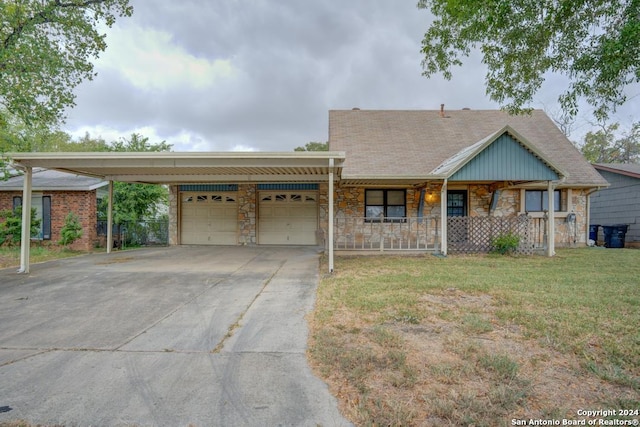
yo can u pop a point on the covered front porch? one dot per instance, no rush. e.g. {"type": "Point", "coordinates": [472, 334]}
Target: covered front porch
{"type": "Point", "coordinates": [460, 206]}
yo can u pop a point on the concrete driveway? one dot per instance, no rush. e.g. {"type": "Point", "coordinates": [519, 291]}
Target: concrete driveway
{"type": "Point", "coordinates": [202, 336]}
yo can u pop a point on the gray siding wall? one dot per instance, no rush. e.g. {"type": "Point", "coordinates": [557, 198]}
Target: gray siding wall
{"type": "Point", "coordinates": [618, 204]}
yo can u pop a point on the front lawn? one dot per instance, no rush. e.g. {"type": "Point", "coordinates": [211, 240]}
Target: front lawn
{"type": "Point", "coordinates": [480, 340]}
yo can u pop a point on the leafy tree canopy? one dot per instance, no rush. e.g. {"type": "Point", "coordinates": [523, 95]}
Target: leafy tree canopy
{"type": "Point", "coordinates": [314, 146]}
{"type": "Point", "coordinates": [606, 145]}
{"type": "Point", "coordinates": [593, 42]}
{"type": "Point", "coordinates": [136, 202]}
{"type": "Point", "coordinates": [46, 48]}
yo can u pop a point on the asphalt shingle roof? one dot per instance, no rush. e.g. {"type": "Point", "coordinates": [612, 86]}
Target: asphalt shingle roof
{"type": "Point", "coordinates": [411, 143]}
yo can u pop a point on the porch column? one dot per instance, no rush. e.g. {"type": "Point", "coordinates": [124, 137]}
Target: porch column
{"type": "Point", "coordinates": [551, 223]}
{"type": "Point", "coordinates": [110, 219]}
{"type": "Point", "coordinates": [330, 231]}
{"type": "Point", "coordinates": [443, 218]}
{"type": "Point", "coordinates": [25, 241]}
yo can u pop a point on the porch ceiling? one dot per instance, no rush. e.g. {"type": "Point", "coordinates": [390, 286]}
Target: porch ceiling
{"type": "Point", "coordinates": [174, 168]}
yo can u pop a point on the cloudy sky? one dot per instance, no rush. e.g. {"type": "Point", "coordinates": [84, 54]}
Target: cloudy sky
{"type": "Point", "coordinates": [218, 75]}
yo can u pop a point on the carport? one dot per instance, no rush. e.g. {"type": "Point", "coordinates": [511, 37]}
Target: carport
{"type": "Point", "coordinates": [183, 168]}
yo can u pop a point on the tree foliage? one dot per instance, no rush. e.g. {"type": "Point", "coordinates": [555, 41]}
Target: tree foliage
{"type": "Point", "coordinates": [607, 146]}
{"type": "Point", "coordinates": [136, 202]}
{"type": "Point", "coordinates": [314, 146]}
{"type": "Point", "coordinates": [46, 49]}
{"type": "Point", "coordinates": [593, 42]}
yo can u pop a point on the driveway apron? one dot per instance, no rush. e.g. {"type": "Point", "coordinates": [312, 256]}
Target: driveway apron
{"type": "Point", "coordinates": [187, 335]}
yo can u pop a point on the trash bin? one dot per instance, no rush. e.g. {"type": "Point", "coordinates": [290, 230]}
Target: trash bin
{"type": "Point", "coordinates": [593, 232]}
{"type": "Point", "coordinates": [614, 235]}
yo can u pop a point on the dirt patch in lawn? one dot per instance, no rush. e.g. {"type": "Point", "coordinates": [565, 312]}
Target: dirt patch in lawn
{"type": "Point", "coordinates": [458, 365]}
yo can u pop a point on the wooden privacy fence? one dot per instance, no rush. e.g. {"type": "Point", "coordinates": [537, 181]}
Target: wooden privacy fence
{"type": "Point", "coordinates": [474, 234]}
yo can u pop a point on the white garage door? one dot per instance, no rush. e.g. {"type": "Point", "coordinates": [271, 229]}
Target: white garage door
{"type": "Point", "coordinates": [288, 218]}
{"type": "Point", "coordinates": [209, 218]}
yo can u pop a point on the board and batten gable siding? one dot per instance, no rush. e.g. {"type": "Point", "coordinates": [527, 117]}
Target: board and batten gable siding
{"type": "Point", "coordinates": [618, 204]}
{"type": "Point", "coordinates": [504, 160]}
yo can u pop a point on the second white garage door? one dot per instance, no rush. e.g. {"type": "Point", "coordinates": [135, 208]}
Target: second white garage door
{"type": "Point", "coordinates": [209, 218]}
{"type": "Point", "coordinates": [287, 218]}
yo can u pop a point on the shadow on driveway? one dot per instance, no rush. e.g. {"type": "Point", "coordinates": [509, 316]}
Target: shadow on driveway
{"type": "Point", "coordinates": [166, 336]}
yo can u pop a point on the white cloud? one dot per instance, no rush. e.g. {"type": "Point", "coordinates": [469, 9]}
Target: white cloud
{"type": "Point", "coordinates": [150, 59]}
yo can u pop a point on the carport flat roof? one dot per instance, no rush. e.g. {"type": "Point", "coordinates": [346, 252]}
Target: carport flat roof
{"type": "Point", "coordinates": [191, 167]}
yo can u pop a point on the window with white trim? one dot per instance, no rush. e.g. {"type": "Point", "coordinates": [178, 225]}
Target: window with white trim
{"type": "Point", "coordinates": [538, 201]}
{"type": "Point", "coordinates": [390, 204]}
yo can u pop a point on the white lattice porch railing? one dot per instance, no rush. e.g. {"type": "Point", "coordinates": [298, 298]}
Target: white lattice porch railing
{"type": "Point", "coordinates": [474, 234]}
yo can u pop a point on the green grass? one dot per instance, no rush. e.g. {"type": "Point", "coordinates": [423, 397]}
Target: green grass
{"type": "Point", "coordinates": [10, 256]}
{"type": "Point", "coordinates": [576, 301]}
{"type": "Point", "coordinates": [582, 303]}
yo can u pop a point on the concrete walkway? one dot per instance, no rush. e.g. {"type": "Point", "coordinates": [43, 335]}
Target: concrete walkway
{"type": "Point", "coordinates": [202, 336]}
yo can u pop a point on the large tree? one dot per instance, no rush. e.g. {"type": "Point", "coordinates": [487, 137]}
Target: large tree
{"type": "Point", "coordinates": [595, 43]}
{"type": "Point", "coordinates": [606, 145]}
{"type": "Point", "coordinates": [46, 49]}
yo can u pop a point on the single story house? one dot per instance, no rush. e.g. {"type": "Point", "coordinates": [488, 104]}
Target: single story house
{"type": "Point", "coordinates": [620, 202]}
{"type": "Point", "coordinates": [442, 181]}
{"type": "Point", "coordinates": [54, 195]}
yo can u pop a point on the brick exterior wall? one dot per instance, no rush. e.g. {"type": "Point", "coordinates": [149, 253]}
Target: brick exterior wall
{"type": "Point", "coordinates": [82, 203]}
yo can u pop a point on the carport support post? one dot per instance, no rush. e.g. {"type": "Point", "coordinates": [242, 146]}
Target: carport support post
{"type": "Point", "coordinates": [551, 226]}
{"type": "Point", "coordinates": [330, 231]}
{"type": "Point", "coordinates": [110, 219]}
{"type": "Point", "coordinates": [26, 220]}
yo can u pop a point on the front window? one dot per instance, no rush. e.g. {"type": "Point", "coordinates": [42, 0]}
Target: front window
{"type": "Point", "coordinates": [390, 204]}
{"type": "Point", "coordinates": [42, 206]}
{"type": "Point", "coordinates": [537, 201]}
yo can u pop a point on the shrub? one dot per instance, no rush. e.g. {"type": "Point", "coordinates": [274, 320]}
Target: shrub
{"type": "Point", "coordinates": [505, 243]}
{"type": "Point", "coordinates": [71, 230]}
{"type": "Point", "coordinates": [11, 228]}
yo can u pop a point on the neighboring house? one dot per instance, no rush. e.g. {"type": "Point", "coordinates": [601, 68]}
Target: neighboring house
{"type": "Point", "coordinates": [619, 203]}
{"type": "Point", "coordinates": [54, 195]}
{"type": "Point", "coordinates": [395, 176]}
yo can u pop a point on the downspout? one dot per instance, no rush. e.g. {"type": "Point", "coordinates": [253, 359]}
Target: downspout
{"type": "Point", "coordinates": [443, 218]}
{"type": "Point", "coordinates": [330, 226]}
{"type": "Point", "coordinates": [588, 216]}
{"type": "Point", "coordinates": [110, 218]}
{"type": "Point", "coordinates": [25, 241]}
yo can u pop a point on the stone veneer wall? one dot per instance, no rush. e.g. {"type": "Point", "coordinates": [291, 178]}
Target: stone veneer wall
{"type": "Point", "coordinates": [174, 216]}
{"type": "Point", "coordinates": [349, 202]}
{"type": "Point", "coordinates": [247, 205]}
{"type": "Point", "coordinates": [566, 234]}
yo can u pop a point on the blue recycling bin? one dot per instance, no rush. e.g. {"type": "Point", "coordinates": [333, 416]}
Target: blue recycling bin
{"type": "Point", "coordinates": [593, 232]}
{"type": "Point", "coordinates": [614, 235]}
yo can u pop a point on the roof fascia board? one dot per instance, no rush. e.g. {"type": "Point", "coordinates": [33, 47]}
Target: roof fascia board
{"type": "Point", "coordinates": [246, 155]}
{"type": "Point", "coordinates": [171, 179]}
{"type": "Point", "coordinates": [616, 170]}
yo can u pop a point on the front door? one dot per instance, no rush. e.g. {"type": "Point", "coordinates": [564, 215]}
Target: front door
{"type": "Point", "coordinates": [457, 203]}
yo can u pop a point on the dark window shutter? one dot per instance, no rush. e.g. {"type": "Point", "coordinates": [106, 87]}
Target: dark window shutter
{"type": "Point", "coordinates": [46, 217]}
